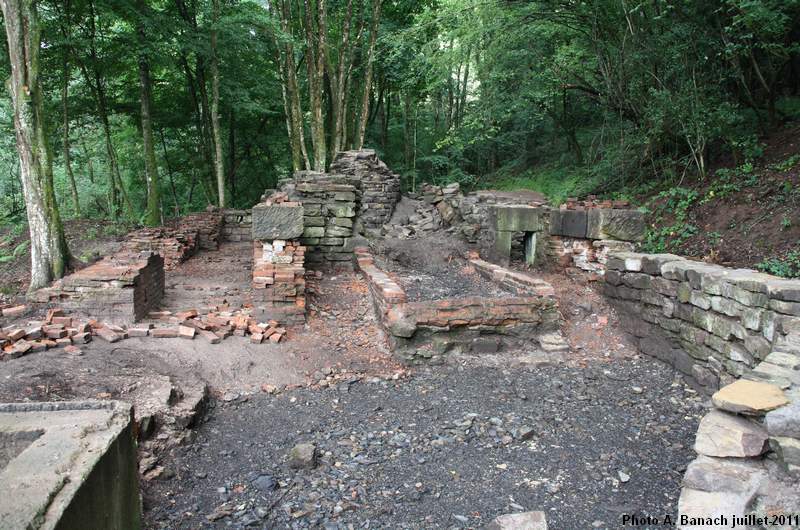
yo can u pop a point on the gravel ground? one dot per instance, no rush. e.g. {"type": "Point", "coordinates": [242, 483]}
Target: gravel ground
{"type": "Point", "coordinates": [451, 447]}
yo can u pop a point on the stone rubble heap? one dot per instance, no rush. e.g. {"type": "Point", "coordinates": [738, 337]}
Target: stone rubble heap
{"type": "Point", "coordinates": [436, 208]}
{"type": "Point", "coordinates": [379, 186]}
{"type": "Point", "coordinates": [122, 288]}
{"type": "Point", "coordinates": [712, 323]}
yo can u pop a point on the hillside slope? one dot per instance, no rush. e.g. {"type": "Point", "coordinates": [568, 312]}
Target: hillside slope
{"type": "Point", "coordinates": [745, 216]}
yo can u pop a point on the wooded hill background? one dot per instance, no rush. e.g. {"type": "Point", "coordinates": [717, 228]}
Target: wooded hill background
{"type": "Point", "coordinates": [217, 99]}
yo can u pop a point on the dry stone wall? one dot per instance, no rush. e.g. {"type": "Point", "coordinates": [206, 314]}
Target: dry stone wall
{"type": "Point", "coordinates": [710, 322]}
{"type": "Point", "coordinates": [237, 225]}
{"type": "Point", "coordinates": [330, 204]}
{"type": "Point", "coordinates": [379, 187]}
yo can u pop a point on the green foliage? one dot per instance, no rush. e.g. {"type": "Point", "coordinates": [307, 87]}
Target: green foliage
{"type": "Point", "coordinates": [664, 236]}
{"type": "Point", "coordinates": [557, 183]}
{"type": "Point", "coordinates": [787, 266]}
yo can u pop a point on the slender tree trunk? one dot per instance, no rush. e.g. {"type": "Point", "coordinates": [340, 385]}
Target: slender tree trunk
{"type": "Point", "coordinates": [340, 77]}
{"type": "Point", "coordinates": [76, 203]}
{"type": "Point", "coordinates": [316, 68]}
{"type": "Point", "coordinates": [291, 92]}
{"type": "Point", "coordinates": [362, 128]}
{"type": "Point", "coordinates": [219, 163]}
{"type": "Point", "coordinates": [232, 153]}
{"type": "Point", "coordinates": [153, 216]}
{"type": "Point", "coordinates": [49, 253]}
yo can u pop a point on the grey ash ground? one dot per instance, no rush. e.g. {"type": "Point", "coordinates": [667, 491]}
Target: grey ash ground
{"type": "Point", "coordinates": [451, 447]}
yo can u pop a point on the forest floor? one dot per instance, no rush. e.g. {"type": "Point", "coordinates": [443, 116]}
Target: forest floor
{"type": "Point", "coordinates": [88, 240]}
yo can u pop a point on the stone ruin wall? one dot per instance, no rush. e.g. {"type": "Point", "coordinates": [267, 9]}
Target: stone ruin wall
{"type": "Point", "coordinates": [736, 333]}
{"type": "Point", "coordinates": [330, 204]}
{"type": "Point", "coordinates": [712, 323]}
{"type": "Point", "coordinates": [378, 186]}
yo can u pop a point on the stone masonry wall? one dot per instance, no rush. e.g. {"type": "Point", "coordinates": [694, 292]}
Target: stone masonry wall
{"type": "Point", "coordinates": [237, 225]}
{"type": "Point", "coordinates": [710, 322]}
{"type": "Point", "coordinates": [379, 186]}
{"type": "Point", "coordinates": [739, 330]}
{"type": "Point", "coordinates": [330, 204]}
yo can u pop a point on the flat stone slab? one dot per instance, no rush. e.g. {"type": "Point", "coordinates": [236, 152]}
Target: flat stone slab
{"type": "Point", "coordinates": [749, 397]}
{"type": "Point", "coordinates": [68, 465]}
{"type": "Point", "coordinates": [727, 435]}
{"type": "Point", "coordinates": [277, 222]}
{"type": "Point", "coordinates": [519, 521]}
{"type": "Point", "coordinates": [518, 218]}
{"type": "Point", "coordinates": [622, 225]}
{"type": "Point", "coordinates": [569, 223]}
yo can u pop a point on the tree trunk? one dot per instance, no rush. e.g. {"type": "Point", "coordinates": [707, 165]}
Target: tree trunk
{"type": "Point", "coordinates": [316, 67]}
{"type": "Point", "coordinates": [153, 212]}
{"type": "Point", "coordinates": [76, 203]}
{"type": "Point", "coordinates": [362, 128]}
{"type": "Point", "coordinates": [219, 163]}
{"type": "Point", "coordinates": [291, 92]}
{"type": "Point", "coordinates": [49, 253]}
{"type": "Point", "coordinates": [340, 81]}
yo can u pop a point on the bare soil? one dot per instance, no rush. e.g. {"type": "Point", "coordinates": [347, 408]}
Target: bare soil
{"type": "Point", "coordinates": [755, 219]}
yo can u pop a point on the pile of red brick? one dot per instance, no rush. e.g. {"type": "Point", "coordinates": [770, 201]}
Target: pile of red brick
{"type": "Point", "coordinates": [58, 330]}
{"type": "Point", "coordinates": [214, 326]}
{"type": "Point", "coordinates": [592, 202]}
{"type": "Point", "coordinates": [55, 331]}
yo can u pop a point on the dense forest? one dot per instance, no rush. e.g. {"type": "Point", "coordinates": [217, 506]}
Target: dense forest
{"type": "Point", "coordinates": [140, 110]}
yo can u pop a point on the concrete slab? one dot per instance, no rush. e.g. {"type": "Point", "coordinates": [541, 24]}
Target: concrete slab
{"type": "Point", "coordinates": [68, 465]}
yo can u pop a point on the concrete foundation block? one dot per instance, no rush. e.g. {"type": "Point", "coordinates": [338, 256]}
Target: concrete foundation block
{"type": "Point", "coordinates": [68, 465]}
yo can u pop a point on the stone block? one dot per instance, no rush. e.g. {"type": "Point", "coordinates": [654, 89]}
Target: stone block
{"type": "Point", "coordinates": [277, 222]}
{"type": "Point", "coordinates": [518, 218]}
{"type": "Point", "coordinates": [519, 521]}
{"type": "Point", "coordinates": [623, 225]}
{"type": "Point", "coordinates": [784, 421]}
{"type": "Point", "coordinates": [726, 435]}
{"type": "Point", "coordinates": [569, 223]}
